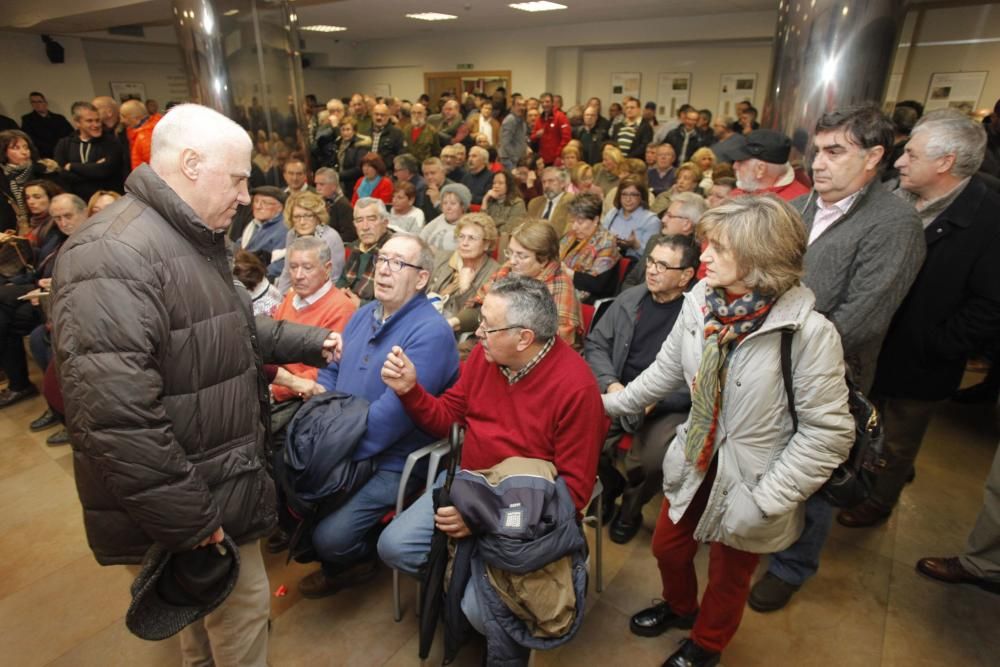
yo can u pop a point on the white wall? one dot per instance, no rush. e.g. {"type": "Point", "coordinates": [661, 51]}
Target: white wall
{"type": "Point", "coordinates": [27, 69]}
{"type": "Point", "coordinates": [157, 66]}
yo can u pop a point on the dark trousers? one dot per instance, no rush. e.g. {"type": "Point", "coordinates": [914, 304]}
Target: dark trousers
{"type": "Point", "coordinates": [17, 319]}
{"type": "Point", "coordinates": [906, 422]}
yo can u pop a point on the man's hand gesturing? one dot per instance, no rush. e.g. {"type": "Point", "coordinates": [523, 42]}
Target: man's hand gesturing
{"type": "Point", "coordinates": [398, 372]}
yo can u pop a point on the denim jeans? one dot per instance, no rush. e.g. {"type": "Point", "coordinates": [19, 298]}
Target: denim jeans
{"type": "Point", "coordinates": [800, 561]}
{"type": "Point", "coordinates": [41, 348]}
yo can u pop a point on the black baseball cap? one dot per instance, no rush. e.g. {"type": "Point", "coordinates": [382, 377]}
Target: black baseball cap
{"type": "Point", "coordinates": [767, 145]}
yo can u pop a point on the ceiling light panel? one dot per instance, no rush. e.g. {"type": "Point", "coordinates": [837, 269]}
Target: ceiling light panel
{"type": "Point", "coordinates": [540, 6]}
{"type": "Point", "coordinates": [324, 28]}
{"type": "Point", "coordinates": [431, 16]}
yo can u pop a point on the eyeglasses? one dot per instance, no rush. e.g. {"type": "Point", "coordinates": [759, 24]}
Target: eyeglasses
{"type": "Point", "coordinates": [656, 266]}
{"type": "Point", "coordinates": [519, 256]}
{"type": "Point", "coordinates": [302, 217]}
{"type": "Point", "coordinates": [487, 332]}
{"type": "Point", "coordinates": [395, 264]}
{"type": "Point", "coordinates": [265, 202]}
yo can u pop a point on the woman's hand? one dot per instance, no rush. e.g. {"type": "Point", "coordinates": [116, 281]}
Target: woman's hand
{"type": "Point", "coordinates": [45, 283]}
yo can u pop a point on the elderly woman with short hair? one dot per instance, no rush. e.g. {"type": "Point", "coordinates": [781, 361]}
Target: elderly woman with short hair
{"type": "Point", "coordinates": [589, 252]}
{"type": "Point", "coordinates": [306, 215]}
{"type": "Point", "coordinates": [607, 173]}
{"type": "Point", "coordinates": [458, 275]}
{"type": "Point", "coordinates": [439, 233]}
{"type": "Point", "coordinates": [740, 469]}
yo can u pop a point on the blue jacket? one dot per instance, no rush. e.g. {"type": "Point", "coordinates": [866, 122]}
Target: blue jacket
{"type": "Point", "coordinates": [270, 236]}
{"type": "Point", "coordinates": [428, 341]}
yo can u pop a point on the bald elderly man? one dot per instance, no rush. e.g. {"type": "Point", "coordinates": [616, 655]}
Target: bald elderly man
{"type": "Point", "coordinates": [160, 361]}
{"type": "Point", "coordinates": [139, 130]}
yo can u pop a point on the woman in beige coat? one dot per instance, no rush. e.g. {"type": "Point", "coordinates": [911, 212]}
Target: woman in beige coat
{"type": "Point", "coordinates": [737, 475]}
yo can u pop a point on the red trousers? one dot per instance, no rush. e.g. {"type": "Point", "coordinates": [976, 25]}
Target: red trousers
{"type": "Point", "coordinates": [729, 573]}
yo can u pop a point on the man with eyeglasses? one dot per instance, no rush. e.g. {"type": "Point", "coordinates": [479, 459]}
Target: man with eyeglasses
{"type": "Point", "coordinates": [400, 316]}
{"type": "Point", "coordinates": [266, 232]}
{"type": "Point", "coordinates": [371, 221]}
{"type": "Point", "coordinates": [623, 342]}
{"type": "Point", "coordinates": [680, 219]}
{"type": "Point", "coordinates": [523, 392]}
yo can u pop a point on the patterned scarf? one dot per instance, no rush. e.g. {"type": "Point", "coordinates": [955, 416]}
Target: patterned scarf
{"type": "Point", "coordinates": [18, 175]}
{"type": "Point", "coordinates": [725, 325]}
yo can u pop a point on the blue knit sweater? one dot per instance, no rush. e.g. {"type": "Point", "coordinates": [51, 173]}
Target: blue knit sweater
{"type": "Point", "coordinates": [428, 341]}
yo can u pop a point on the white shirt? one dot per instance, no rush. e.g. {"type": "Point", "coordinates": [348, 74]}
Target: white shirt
{"type": "Point", "coordinates": [486, 128]}
{"type": "Point", "coordinates": [299, 303]}
{"type": "Point", "coordinates": [248, 233]}
{"type": "Point", "coordinates": [827, 214]}
{"type": "Point", "coordinates": [554, 202]}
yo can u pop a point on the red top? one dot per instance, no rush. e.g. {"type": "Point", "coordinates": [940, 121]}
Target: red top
{"type": "Point", "coordinates": [332, 312]}
{"type": "Point", "coordinates": [557, 135]}
{"type": "Point", "coordinates": [553, 413]}
{"type": "Point", "coordinates": [382, 191]}
{"type": "Point", "coordinates": [786, 192]}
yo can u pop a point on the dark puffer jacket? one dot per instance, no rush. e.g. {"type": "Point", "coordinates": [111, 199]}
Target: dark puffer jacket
{"type": "Point", "coordinates": [160, 363]}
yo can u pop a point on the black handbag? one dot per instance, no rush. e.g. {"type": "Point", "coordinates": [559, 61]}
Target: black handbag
{"type": "Point", "coordinates": [853, 481]}
{"type": "Point", "coordinates": [16, 256]}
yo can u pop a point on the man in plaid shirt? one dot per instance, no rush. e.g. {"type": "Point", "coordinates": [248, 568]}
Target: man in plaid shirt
{"type": "Point", "coordinates": [371, 220]}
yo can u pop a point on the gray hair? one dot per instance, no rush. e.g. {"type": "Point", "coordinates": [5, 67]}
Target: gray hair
{"type": "Point", "coordinates": [950, 132]}
{"type": "Point", "coordinates": [426, 259]}
{"type": "Point", "coordinates": [308, 244]}
{"type": "Point", "coordinates": [406, 161]}
{"type": "Point", "coordinates": [328, 171]}
{"type": "Point", "coordinates": [79, 107]}
{"type": "Point", "coordinates": [558, 171]}
{"type": "Point", "coordinates": [192, 126]}
{"type": "Point", "coordinates": [693, 206]}
{"type": "Point", "coordinates": [479, 150]}
{"type": "Point", "coordinates": [368, 202]}
{"type": "Point", "coordinates": [529, 305]}
{"type": "Point", "coordinates": [79, 205]}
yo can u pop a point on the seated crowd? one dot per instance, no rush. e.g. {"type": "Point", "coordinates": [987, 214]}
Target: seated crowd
{"type": "Point", "coordinates": [605, 297]}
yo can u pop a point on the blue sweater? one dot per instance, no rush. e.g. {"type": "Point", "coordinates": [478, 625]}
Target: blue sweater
{"type": "Point", "coordinates": [270, 236]}
{"type": "Point", "coordinates": [428, 341]}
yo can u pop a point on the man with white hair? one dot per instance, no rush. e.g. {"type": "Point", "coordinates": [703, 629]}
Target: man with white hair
{"type": "Point", "coordinates": [421, 139]}
{"type": "Point", "coordinates": [451, 124]}
{"type": "Point", "coordinates": [953, 308]}
{"type": "Point", "coordinates": [761, 166]}
{"type": "Point", "coordinates": [160, 361]}
{"type": "Point", "coordinates": [478, 177]}
{"type": "Point", "coordinates": [553, 204]}
{"type": "Point", "coordinates": [324, 149]}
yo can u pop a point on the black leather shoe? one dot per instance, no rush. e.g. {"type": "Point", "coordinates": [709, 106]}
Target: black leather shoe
{"type": "Point", "coordinates": [655, 620]}
{"type": "Point", "coordinates": [278, 542]}
{"type": "Point", "coordinates": [61, 437]}
{"type": "Point", "coordinates": [320, 585]}
{"type": "Point", "coordinates": [692, 655]}
{"type": "Point", "coordinates": [771, 593]}
{"type": "Point", "coordinates": [47, 420]}
{"type": "Point", "coordinates": [8, 397]}
{"type": "Point", "coordinates": [623, 529]}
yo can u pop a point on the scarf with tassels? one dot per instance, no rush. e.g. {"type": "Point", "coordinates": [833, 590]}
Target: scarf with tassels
{"type": "Point", "coordinates": [726, 323]}
{"type": "Point", "coordinates": [17, 176]}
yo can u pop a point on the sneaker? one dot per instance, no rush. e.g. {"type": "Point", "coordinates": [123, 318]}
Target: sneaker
{"type": "Point", "coordinates": [771, 593]}
{"type": "Point", "coordinates": [692, 655]}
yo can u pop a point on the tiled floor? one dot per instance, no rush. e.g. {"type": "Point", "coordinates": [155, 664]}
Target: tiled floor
{"type": "Point", "coordinates": [866, 607]}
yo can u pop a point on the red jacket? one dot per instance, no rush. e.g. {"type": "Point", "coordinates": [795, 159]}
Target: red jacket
{"type": "Point", "coordinates": [788, 192]}
{"type": "Point", "coordinates": [556, 135]}
{"type": "Point", "coordinates": [140, 139]}
{"type": "Point", "coordinates": [382, 191]}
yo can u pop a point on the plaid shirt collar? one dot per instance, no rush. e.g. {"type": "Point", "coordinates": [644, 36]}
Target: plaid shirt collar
{"type": "Point", "coordinates": [514, 378]}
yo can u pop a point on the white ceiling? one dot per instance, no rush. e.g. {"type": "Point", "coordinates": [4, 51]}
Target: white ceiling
{"type": "Point", "coordinates": [368, 19]}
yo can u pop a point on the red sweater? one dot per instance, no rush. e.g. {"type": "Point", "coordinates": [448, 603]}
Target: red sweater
{"type": "Point", "coordinates": [556, 134]}
{"type": "Point", "coordinates": [554, 413]}
{"type": "Point", "coordinates": [382, 191]}
{"type": "Point", "coordinates": [330, 312]}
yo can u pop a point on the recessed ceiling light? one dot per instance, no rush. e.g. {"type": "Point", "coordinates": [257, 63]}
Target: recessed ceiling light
{"type": "Point", "coordinates": [324, 28]}
{"type": "Point", "coordinates": [539, 6]}
{"type": "Point", "coordinates": [431, 16]}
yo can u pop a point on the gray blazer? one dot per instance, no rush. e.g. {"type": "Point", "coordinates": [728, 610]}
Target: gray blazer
{"type": "Point", "coordinates": [861, 268]}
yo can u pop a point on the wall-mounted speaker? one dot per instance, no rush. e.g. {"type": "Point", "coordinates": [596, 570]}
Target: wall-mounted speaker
{"type": "Point", "coordinates": [54, 50]}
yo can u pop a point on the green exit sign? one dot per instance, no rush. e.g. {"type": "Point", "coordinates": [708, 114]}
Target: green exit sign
{"type": "Point", "coordinates": [464, 66]}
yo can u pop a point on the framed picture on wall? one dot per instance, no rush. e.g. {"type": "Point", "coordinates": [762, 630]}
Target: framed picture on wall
{"type": "Point", "coordinates": [123, 91]}
{"type": "Point", "coordinates": [381, 90]}
{"type": "Point", "coordinates": [673, 89]}
{"type": "Point", "coordinates": [733, 88]}
{"type": "Point", "coordinates": [625, 84]}
{"type": "Point", "coordinates": [955, 90]}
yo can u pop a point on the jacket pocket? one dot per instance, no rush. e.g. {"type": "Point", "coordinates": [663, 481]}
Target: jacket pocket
{"type": "Point", "coordinates": [744, 520]}
{"type": "Point", "coordinates": [675, 465]}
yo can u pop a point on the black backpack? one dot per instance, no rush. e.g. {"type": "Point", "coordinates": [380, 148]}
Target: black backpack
{"type": "Point", "coordinates": [853, 480]}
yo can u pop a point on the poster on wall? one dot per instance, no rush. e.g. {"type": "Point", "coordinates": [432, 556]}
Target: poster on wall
{"type": "Point", "coordinates": [381, 90]}
{"type": "Point", "coordinates": [123, 91]}
{"type": "Point", "coordinates": [625, 84]}
{"type": "Point", "coordinates": [955, 90]}
{"type": "Point", "coordinates": [735, 88]}
{"type": "Point", "coordinates": [673, 89]}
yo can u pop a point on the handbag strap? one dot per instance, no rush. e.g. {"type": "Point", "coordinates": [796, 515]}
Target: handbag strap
{"type": "Point", "coordinates": [786, 374]}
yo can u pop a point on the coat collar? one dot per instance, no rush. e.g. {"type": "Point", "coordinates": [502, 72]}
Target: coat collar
{"type": "Point", "coordinates": [146, 186]}
{"type": "Point", "coordinates": [964, 209]}
{"type": "Point", "coordinates": [789, 311]}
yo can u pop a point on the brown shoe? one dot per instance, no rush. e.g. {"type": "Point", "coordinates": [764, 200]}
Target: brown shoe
{"type": "Point", "coordinates": [950, 571]}
{"type": "Point", "coordinates": [319, 585]}
{"type": "Point", "coordinates": [864, 515]}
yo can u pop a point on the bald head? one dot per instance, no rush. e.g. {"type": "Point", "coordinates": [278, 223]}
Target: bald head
{"type": "Point", "coordinates": [205, 158]}
{"type": "Point", "coordinates": [132, 112]}
{"type": "Point", "coordinates": [108, 109]}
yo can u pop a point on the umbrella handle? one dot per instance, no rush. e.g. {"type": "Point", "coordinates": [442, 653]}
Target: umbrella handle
{"type": "Point", "coordinates": [454, 452]}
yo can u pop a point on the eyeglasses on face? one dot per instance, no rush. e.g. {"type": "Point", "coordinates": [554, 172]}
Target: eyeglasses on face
{"type": "Point", "coordinates": [394, 263]}
{"type": "Point", "coordinates": [656, 266]}
{"type": "Point", "coordinates": [486, 332]}
{"type": "Point", "coordinates": [302, 217]}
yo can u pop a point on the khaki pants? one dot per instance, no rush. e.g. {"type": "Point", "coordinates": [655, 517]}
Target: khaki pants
{"type": "Point", "coordinates": [982, 556]}
{"type": "Point", "coordinates": [235, 634]}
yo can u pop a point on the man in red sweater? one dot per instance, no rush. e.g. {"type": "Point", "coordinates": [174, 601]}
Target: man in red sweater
{"type": "Point", "coordinates": [312, 300]}
{"type": "Point", "coordinates": [551, 131]}
{"type": "Point", "coordinates": [761, 166]}
{"type": "Point", "coordinates": [522, 392]}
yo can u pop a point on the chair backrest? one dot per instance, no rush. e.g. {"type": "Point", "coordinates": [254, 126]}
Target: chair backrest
{"type": "Point", "coordinates": [587, 313]}
{"type": "Point", "coordinates": [624, 264]}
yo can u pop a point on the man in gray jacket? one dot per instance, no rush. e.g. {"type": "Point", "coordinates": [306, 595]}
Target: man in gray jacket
{"type": "Point", "coordinates": [865, 249]}
{"type": "Point", "coordinates": [513, 143]}
{"type": "Point", "coordinates": [620, 346]}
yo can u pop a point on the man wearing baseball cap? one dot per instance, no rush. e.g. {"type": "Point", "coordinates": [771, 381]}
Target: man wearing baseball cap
{"type": "Point", "coordinates": [761, 166]}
